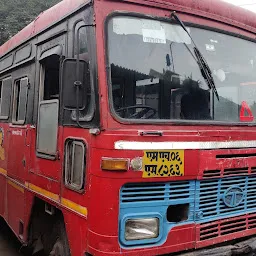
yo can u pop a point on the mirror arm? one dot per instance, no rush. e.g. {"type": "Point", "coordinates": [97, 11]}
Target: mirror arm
{"type": "Point", "coordinates": [78, 85]}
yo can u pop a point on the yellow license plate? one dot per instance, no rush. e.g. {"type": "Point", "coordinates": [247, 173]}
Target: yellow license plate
{"type": "Point", "coordinates": [163, 163]}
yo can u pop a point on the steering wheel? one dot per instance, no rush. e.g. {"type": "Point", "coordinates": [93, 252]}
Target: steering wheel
{"type": "Point", "coordinates": [140, 114]}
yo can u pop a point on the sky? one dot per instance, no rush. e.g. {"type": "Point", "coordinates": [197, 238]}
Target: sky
{"type": "Point", "coordinates": [248, 4]}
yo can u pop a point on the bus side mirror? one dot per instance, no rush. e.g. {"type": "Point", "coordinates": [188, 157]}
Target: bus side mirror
{"type": "Point", "coordinates": [73, 80]}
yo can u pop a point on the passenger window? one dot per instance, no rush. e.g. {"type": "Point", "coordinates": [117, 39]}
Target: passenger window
{"type": "Point", "coordinates": [6, 92]}
{"type": "Point", "coordinates": [51, 69]}
{"type": "Point", "coordinates": [20, 101]}
{"type": "Point", "coordinates": [75, 164]}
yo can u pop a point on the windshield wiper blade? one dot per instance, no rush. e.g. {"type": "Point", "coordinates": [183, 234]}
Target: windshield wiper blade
{"type": "Point", "coordinates": [206, 71]}
{"type": "Point", "coordinates": [203, 66]}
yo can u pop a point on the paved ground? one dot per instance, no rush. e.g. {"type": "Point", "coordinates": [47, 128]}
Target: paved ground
{"type": "Point", "coordinates": [9, 246]}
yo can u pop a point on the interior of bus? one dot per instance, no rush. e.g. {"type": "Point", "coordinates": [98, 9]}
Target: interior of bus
{"type": "Point", "coordinates": [155, 75]}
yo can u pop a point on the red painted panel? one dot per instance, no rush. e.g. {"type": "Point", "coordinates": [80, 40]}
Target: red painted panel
{"type": "Point", "coordinates": [179, 239]}
{"type": "Point", "coordinates": [4, 143]}
{"type": "Point", "coordinates": [101, 196]}
{"type": "Point", "coordinates": [43, 21]}
{"type": "Point", "coordinates": [18, 156]}
{"type": "Point", "coordinates": [224, 163]}
{"type": "Point", "coordinates": [214, 9]}
{"type": "Point", "coordinates": [16, 206]}
{"type": "Point", "coordinates": [2, 195]}
{"type": "Point", "coordinates": [28, 204]}
{"type": "Point", "coordinates": [45, 167]}
{"type": "Point", "coordinates": [77, 229]}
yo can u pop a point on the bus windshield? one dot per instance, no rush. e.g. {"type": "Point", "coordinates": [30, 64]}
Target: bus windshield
{"type": "Point", "coordinates": [155, 75]}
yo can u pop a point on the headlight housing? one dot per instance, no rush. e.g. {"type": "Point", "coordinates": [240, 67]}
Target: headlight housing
{"type": "Point", "coordinates": [140, 229]}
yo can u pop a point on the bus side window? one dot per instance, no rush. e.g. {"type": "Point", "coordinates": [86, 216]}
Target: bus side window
{"type": "Point", "coordinates": [75, 164]}
{"type": "Point", "coordinates": [50, 76]}
{"type": "Point", "coordinates": [6, 92]}
{"type": "Point", "coordinates": [20, 101]}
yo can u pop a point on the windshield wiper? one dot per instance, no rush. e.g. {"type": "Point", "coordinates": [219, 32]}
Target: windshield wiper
{"type": "Point", "coordinates": [203, 66]}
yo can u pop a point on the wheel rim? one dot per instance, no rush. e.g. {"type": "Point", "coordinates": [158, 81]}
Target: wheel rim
{"type": "Point", "coordinates": [58, 249]}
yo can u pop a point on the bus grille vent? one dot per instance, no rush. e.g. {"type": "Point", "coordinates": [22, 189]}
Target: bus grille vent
{"type": "Point", "coordinates": [157, 192]}
{"type": "Point", "coordinates": [228, 172]}
{"type": "Point", "coordinates": [211, 196]}
{"type": "Point", "coordinates": [227, 226]}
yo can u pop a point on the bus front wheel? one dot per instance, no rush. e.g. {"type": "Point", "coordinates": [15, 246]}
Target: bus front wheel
{"type": "Point", "coordinates": [60, 246]}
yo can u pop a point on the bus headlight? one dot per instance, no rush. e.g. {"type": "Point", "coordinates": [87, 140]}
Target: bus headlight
{"type": "Point", "coordinates": [139, 229]}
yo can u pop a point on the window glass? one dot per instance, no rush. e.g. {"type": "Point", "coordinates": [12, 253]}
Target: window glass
{"type": "Point", "coordinates": [155, 74]}
{"type": "Point", "coordinates": [20, 100]}
{"type": "Point", "coordinates": [47, 129]}
{"type": "Point", "coordinates": [6, 92]}
{"type": "Point", "coordinates": [51, 66]}
{"type": "Point", "coordinates": [75, 164]}
{"type": "Point", "coordinates": [78, 162]}
{"type": "Point", "coordinates": [83, 44]}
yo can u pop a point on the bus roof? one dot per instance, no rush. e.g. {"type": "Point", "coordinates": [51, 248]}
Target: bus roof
{"type": "Point", "coordinates": [44, 20]}
{"type": "Point", "coordinates": [231, 14]}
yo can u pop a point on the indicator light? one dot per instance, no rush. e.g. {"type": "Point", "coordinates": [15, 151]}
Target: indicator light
{"type": "Point", "coordinates": [114, 164]}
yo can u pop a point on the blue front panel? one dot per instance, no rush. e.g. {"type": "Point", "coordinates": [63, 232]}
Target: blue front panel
{"type": "Point", "coordinates": [214, 197]}
{"type": "Point", "coordinates": [208, 200]}
{"type": "Point", "coordinates": [152, 200]}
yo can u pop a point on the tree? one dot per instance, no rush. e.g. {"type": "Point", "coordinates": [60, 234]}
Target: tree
{"type": "Point", "coordinates": [16, 14]}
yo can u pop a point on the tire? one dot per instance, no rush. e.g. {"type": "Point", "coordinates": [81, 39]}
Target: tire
{"type": "Point", "coordinates": [60, 246]}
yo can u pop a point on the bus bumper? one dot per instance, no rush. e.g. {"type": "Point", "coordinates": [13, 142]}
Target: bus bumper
{"type": "Point", "coordinates": [190, 240]}
{"type": "Point", "coordinates": [245, 247]}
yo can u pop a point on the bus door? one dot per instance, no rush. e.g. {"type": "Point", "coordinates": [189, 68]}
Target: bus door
{"type": "Point", "coordinates": [18, 151]}
{"type": "Point", "coordinates": [77, 140]}
{"type": "Point", "coordinates": [45, 168]}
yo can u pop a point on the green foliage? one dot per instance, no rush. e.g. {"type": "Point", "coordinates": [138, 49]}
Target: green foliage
{"type": "Point", "coordinates": [16, 14]}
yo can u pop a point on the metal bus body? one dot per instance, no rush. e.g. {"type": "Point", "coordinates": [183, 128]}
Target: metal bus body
{"type": "Point", "coordinates": [100, 173]}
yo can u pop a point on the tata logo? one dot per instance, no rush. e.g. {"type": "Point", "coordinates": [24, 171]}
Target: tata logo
{"type": "Point", "coordinates": [233, 196]}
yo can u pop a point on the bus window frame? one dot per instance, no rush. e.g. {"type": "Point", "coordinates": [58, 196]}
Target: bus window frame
{"type": "Point", "coordinates": [126, 121]}
{"type": "Point", "coordinates": [68, 166]}
{"type": "Point", "coordinates": [14, 103]}
{"type": "Point", "coordinates": [6, 118]}
{"type": "Point", "coordinates": [41, 101]}
{"type": "Point", "coordinates": [81, 24]}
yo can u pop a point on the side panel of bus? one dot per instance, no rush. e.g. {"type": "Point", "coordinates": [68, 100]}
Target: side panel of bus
{"type": "Point", "coordinates": [36, 133]}
{"type": "Point", "coordinates": [17, 92]}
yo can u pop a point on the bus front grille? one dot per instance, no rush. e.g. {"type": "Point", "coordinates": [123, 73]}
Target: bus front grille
{"type": "Point", "coordinates": [225, 227]}
{"type": "Point", "coordinates": [224, 197]}
{"type": "Point", "coordinates": [156, 192]}
{"type": "Point", "coordinates": [208, 200]}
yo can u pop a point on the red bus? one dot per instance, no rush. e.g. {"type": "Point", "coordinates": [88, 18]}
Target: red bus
{"type": "Point", "coordinates": [128, 128]}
